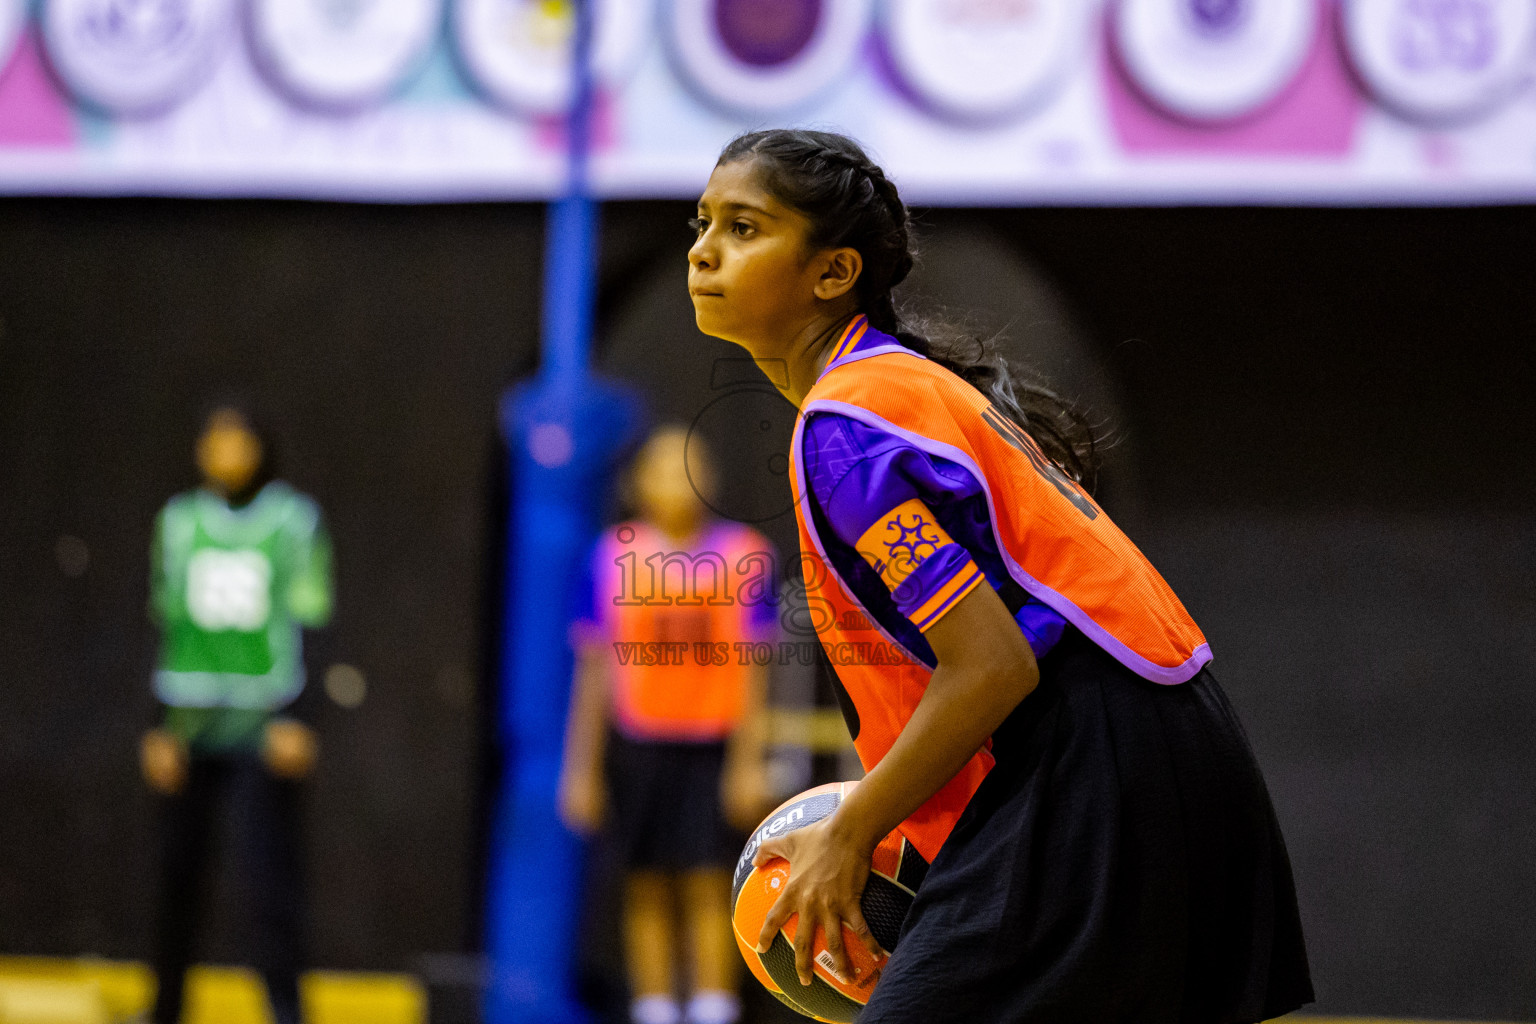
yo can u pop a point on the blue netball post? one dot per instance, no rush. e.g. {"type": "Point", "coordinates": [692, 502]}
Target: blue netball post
{"type": "Point", "coordinates": [562, 429]}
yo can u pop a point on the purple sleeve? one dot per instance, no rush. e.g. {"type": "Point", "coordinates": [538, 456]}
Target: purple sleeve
{"type": "Point", "coordinates": [859, 476]}
{"type": "Point", "coordinates": [763, 616]}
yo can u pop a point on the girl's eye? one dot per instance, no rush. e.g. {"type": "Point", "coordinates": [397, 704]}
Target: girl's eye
{"type": "Point", "coordinates": [698, 224]}
{"type": "Point", "coordinates": [741, 227]}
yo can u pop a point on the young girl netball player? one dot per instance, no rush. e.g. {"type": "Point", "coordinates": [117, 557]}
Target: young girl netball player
{"type": "Point", "coordinates": [1031, 702]}
{"type": "Point", "coordinates": [668, 735]}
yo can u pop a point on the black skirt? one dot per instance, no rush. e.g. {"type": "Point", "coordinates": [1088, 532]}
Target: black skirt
{"type": "Point", "coordinates": [1121, 863]}
{"type": "Point", "coordinates": [665, 798]}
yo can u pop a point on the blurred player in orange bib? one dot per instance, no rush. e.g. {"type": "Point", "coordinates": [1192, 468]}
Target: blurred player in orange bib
{"type": "Point", "coordinates": [665, 736]}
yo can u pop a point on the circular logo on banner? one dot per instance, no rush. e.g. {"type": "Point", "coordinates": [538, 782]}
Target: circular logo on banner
{"type": "Point", "coordinates": [985, 58]}
{"type": "Point", "coordinates": [342, 53]}
{"type": "Point", "coordinates": [1214, 60]}
{"type": "Point", "coordinates": [764, 56]}
{"type": "Point", "coordinates": [519, 51]}
{"type": "Point", "coordinates": [136, 56]}
{"type": "Point", "coordinates": [1441, 60]}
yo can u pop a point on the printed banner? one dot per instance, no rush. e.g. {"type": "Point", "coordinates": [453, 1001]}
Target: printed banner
{"type": "Point", "coordinates": [964, 101]}
{"type": "Point", "coordinates": [342, 55]}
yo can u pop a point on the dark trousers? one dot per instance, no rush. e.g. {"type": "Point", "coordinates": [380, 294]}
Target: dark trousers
{"type": "Point", "coordinates": [259, 818]}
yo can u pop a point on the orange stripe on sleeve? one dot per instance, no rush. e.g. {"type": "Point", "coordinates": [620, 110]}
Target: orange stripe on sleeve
{"type": "Point", "coordinates": [960, 584]}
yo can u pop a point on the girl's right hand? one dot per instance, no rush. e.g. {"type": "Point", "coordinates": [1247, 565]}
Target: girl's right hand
{"type": "Point", "coordinates": [827, 872]}
{"type": "Point", "coordinates": [163, 761]}
{"type": "Point", "coordinates": [583, 800]}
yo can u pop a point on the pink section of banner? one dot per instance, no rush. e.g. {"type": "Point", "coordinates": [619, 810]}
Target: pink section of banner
{"type": "Point", "coordinates": [549, 134]}
{"type": "Point", "coordinates": [32, 111]}
{"type": "Point", "coordinates": [1315, 115]}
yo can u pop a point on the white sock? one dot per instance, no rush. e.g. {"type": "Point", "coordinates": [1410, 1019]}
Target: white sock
{"type": "Point", "coordinates": [713, 1006]}
{"type": "Point", "coordinates": [655, 1010]}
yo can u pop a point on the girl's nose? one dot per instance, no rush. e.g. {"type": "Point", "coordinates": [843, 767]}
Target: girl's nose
{"type": "Point", "coordinates": [699, 255]}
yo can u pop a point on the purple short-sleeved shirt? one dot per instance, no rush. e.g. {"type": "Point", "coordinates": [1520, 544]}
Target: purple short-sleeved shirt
{"type": "Point", "coordinates": [862, 479]}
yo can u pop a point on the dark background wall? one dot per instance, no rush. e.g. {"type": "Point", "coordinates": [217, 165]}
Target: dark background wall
{"type": "Point", "coordinates": [1334, 421]}
{"type": "Point", "coordinates": [1325, 443]}
{"type": "Point", "coordinates": [376, 340]}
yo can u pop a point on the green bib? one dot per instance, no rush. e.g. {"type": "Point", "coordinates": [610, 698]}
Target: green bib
{"type": "Point", "coordinates": [232, 589]}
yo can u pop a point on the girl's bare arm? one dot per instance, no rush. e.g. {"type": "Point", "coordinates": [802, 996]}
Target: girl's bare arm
{"type": "Point", "coordinates": [985, 668]}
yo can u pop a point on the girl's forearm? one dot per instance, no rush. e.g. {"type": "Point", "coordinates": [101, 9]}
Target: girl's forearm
{"type": "Point", "coordinates": [586, 728]}
{"type": "Point", "coordinates": [985, 668]}
{"type": "Point", "coordinates": [960, 709]}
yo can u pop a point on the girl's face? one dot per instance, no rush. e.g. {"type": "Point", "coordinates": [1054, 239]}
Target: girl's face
{"type": "Point", "coordinates": [664, 490]}
{"type": "Point", "coordinates": [752, 273]}
{"type": "Point", "coordinates": [229, 453]}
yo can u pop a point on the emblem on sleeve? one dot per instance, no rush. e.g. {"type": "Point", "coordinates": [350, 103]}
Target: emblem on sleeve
{"type": "Point", "coordinates": [901, 540]}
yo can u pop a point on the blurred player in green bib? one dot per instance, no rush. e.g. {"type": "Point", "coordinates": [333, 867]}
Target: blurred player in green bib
{"type": "Point", "coordinates": [238, 567]}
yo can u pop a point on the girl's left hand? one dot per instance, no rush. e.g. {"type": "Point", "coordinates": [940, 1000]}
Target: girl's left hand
{"type": "Point", "coordinates": [826, 878]}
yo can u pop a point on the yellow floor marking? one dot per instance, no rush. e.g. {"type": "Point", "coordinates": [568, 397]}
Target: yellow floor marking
{"type": "Point", "coordinates": [215, 995]}
{"type": "Point", "coordinates": [51, 1001]}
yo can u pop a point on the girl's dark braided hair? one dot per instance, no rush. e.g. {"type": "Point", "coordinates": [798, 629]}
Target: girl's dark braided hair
{"type": "Point", "coordinates": [850, 202]}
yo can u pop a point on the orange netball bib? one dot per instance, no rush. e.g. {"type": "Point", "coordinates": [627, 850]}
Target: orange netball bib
{"type": "Point", "coordinates": [1055, 542]}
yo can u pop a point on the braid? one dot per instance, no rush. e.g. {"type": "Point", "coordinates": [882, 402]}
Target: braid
{"type": "Point", "coordinates": [882, 306]}
{"type": "Point", "coordinates": [888, 263]}
{"type": "Point", "coordinates": [882, 189]}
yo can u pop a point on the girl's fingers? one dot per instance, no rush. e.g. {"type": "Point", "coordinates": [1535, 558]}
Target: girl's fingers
{"type": "Point", "coordinates": [855, 920]}
{"type": "Point", "coordinates": [778, 846]}
{"type": "Point", "coordinates": [832, 928]}
{"type": "Point", "coordinates": [777, 915]}
{"type": "Point", "coordinates": [805, 938]}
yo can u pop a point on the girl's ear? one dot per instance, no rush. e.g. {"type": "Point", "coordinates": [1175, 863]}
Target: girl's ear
{"type": "Point", "coordinates": [840, 272]}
